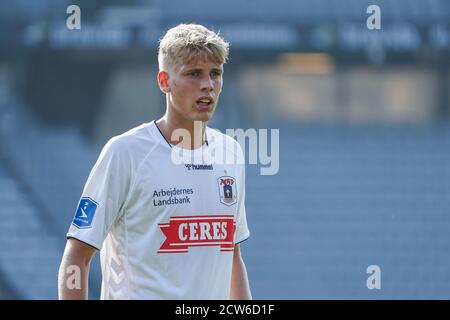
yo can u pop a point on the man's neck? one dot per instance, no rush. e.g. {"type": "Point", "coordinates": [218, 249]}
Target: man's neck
{"type": "Point", "coordinates": [186, 135]}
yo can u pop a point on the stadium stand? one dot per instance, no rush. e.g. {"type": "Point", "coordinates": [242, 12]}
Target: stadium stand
{"type": "Point", "coordinates": [347, 198]}
{"type": "Point", "coordinates": [39, 192]}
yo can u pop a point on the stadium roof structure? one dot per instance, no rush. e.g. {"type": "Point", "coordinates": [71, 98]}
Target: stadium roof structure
{"type": "Point", "coordinates": [282, 25]}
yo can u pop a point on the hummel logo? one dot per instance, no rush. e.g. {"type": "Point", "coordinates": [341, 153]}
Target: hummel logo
{"type": "Point", "coordinates": [199, 167]}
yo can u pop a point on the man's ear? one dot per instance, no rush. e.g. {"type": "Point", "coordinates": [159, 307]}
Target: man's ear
{"type": "Point", "coordinates": [163, 81]}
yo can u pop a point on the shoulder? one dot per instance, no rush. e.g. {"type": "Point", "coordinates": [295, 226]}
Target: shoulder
{"type": "Point", "coordinates": [228, 143]}
{"type": "Point", "coordinates": [216, 136]}
{"type": "Point", "coordinates": [132, 144]}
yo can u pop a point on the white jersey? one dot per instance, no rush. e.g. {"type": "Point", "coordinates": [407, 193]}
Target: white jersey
{"type": "Point", "coordinates": [166, 229]}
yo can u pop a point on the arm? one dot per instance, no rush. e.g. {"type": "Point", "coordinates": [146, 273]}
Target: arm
{"type": "Point", "coordinates": [74, 270]}
{"type": "Point", "coordinates": [240, 288]}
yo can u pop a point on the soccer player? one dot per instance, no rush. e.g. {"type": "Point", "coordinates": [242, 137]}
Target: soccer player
{"type": "Point", "coordinates": [167, 226]}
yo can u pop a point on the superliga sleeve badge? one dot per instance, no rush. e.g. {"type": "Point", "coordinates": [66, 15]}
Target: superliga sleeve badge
{"type": "Point", "coordinates": [85, 213]}
{"type": "Point", "coordinates": [227, 190]}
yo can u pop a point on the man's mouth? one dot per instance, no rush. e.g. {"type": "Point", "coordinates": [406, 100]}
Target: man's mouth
{"type": "Point", "coordinates": [204, 103]}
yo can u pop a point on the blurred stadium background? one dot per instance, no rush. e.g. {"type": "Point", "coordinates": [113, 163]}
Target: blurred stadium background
{"type": "Point", "coordinates": [364, 134]}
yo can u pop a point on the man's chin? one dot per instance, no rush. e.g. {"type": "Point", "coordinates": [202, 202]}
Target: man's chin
{"type": "Point", "coordinates": [204, 116]}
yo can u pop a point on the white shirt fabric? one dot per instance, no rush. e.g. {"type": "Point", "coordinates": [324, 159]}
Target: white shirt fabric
{"type": "Point", "coordinates": [166, 229]}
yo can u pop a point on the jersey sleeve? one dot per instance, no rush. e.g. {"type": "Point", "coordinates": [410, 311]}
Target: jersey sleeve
{"type": "Point", "coordinates": [103, 196]}
{"type": "Point", "coordinates": [242, 232]}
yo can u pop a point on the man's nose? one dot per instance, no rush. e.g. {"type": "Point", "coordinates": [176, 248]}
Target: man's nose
{"type": "Point", "coordinates": [207, 84]}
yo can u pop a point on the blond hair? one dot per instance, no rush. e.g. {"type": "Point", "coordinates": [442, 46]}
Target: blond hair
{"type": "Point", "coordinates": [185, 42]}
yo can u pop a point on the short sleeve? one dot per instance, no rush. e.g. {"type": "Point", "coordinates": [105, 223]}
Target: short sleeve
{"type": "Point", "coordinates": [103, 196]}
{"type": "Point", "coordinates": [242, 232]}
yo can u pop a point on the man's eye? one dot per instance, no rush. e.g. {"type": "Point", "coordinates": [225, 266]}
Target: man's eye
{"type": "Point", "coordinates": [194, 73]}
{"type": "Point", "coordinates": [215, 74]}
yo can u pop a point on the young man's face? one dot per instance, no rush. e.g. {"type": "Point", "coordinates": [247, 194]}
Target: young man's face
{"type": "Point", "coordinates": [194, 90]}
